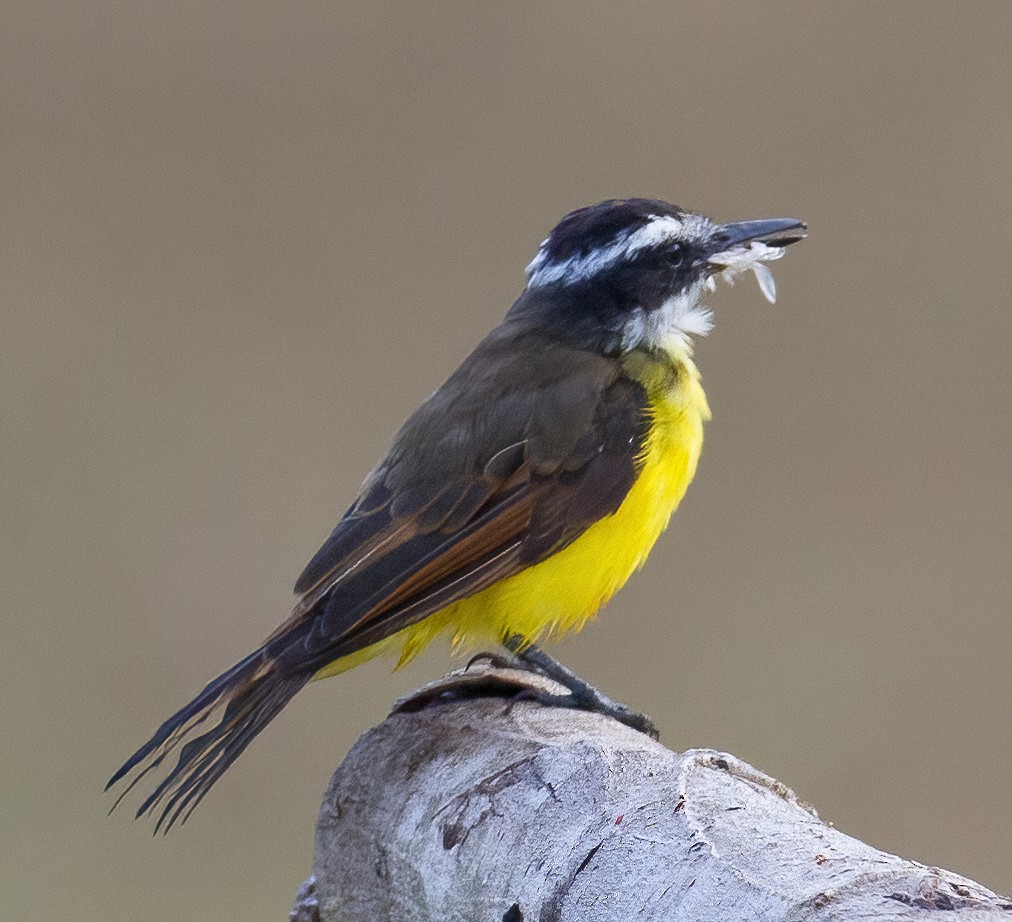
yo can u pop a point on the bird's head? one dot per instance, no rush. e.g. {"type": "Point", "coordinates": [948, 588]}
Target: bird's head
{"type": "Point", "coordinates": [630, 273]}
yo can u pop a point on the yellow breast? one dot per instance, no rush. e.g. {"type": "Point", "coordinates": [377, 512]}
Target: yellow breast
{"type": "Point", "coordinates": [561, 593]}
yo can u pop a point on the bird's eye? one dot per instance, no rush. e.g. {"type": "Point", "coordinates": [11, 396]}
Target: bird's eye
{"type": "Point", "coordinates": [675, 256]}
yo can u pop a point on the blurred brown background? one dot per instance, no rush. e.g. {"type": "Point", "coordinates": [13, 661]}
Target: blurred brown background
{"type": "Point", "coordinates": [241, 241]}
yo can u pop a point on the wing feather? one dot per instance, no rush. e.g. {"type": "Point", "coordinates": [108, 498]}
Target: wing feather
{"type": "Point", "coordinates": [489, 476]}
{"type": "Point", "coordinates": [438, 549]}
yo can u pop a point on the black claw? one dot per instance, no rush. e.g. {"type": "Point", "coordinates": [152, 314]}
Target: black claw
{"type": "Point", "coordinates": [582, 695]}
{"type": "Point", "coordinates": [601, 705]}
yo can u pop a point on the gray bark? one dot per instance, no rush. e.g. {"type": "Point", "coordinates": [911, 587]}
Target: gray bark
{"type": "Point", "coordinates": [464, 806]}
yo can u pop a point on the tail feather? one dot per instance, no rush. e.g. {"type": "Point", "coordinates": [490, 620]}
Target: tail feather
{"type": "Point", "coordinates": [248, 696]}
{"type": "Point", "coordinates": [187, 717]}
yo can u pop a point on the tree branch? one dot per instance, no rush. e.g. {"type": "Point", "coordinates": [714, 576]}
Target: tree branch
{"type": "Point", "coordinates": [464, 805]}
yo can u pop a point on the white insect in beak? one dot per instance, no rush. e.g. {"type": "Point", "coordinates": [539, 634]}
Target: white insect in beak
{"type": "Point", "coordinates": [746, 257]}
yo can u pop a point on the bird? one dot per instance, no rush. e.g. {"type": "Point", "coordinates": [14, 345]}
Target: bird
{"type": "Point", "coordinates": [515, 500]}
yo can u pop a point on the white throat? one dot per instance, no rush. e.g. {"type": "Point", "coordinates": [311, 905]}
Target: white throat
{"type": "Point", "coordinates": [672, 326]}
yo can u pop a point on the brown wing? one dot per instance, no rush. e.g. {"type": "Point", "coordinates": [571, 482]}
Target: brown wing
{"type": "Point", "coordinates": [490, 476]}
{"type": "Point", "coordinates": [523, 448]}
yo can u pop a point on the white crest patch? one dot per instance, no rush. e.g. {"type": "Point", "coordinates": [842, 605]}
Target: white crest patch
{"type": "Point", "coordinates": [659, 230]}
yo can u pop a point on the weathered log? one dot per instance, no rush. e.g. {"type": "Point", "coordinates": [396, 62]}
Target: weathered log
{"type": "Point", "coordinates": [467, 804]}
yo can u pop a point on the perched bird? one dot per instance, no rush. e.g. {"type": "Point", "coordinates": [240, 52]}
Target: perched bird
{"type": "Point", "coordinates": [520, 496]}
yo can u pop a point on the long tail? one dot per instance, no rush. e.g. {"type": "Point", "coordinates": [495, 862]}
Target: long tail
{"type": "Point", "coordinates": [248, 696]}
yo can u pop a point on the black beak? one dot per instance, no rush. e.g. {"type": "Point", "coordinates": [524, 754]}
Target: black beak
{"type": "Point", "coordinates": [774, 232]}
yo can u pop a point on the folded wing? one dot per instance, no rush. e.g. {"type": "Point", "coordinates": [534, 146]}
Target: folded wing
{"type": "Point", "coordinates": [487, 478]}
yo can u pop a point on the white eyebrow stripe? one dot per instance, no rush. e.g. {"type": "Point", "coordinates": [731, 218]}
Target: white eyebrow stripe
{"type": "Point", "coordinates": [660, 229]}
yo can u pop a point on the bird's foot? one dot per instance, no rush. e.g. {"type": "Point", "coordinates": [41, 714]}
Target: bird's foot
{"type": "Point", "coordinates": [594, 702]}
{"type": "Point", "coordinates": [581, 694]}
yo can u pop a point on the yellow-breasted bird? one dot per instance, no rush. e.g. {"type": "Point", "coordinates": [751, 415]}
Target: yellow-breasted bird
{"type": "Point", "coordinates": [517, 498]}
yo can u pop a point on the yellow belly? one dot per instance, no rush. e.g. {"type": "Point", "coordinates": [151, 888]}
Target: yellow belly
{"type": "Point", "coordinates": [561, 593]}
